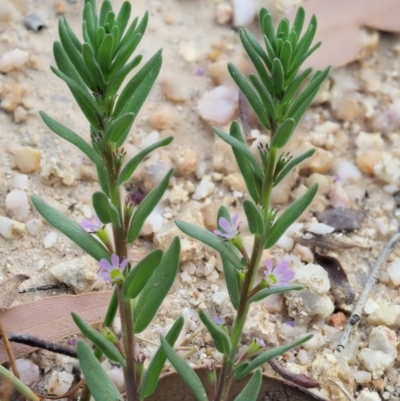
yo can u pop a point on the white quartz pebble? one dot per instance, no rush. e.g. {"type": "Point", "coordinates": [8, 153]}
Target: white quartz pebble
{"type": "Point", "coordinates": [11, 229]}
{"type": "Point", "coordinates": [28, 371]}
{"type": "Point", "coordinates": [17, 205]}
{"type": "Point", "coordinates": [50, 239]}
{"type": "Point", "coordinates": [244, 12]}
{"type": "Point", "coordinates": [393, 271]}
{"type": "Point", "coordinates": [362, 376]}
{"type": "Point", "coordinates": [383, 339]}
{"type": "Point", "coordinates": [320, 228]}
{"type": "Point", "coordinates": [13, 59]}
{"type": "Point", "coordinates": [21, 181]}
{"type": "Point", "coordinates": [375, 361]}
{"type": "Point", "coordinates": [366, 395]}
{"type": "Point", "coordinates": [59, 383]}
{"type": "Point", "coordinates": [205, 188]}
{"type": "Point", "coordinates": [34, 226]}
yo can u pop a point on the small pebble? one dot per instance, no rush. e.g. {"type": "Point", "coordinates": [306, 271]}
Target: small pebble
{"type": "Point", "coordinates": [393, 270]}
{"type": "Point", "coordinates": [34, 22]}
{"type": "Point", "coordinates": [189, 52]}
{"type": "Point", "coordinates": [375, 362]}
{"type": "Point", "coordinates": [28, 371]}
{"type": "Point", "coordinates": [20, 181]}
{"type": "Point", "coordinates": [117, 377]}
{"type": "Point", "coordinates": [187, 160]}
{"type": "Point", "coordinates": [204, 188]}
{"type": "Point", "coordinates": [59, 382]}
{"type": "Point", "coordinates": [367, 395]}
{"type": "Point", "coordinates": [165, 118]}
{"type": "Point", "coordinates": [218, 105]}
{"type": "Point", "coordinates": [34, 227]}
{"type": "Point", "coordinates": [28, 159]}
{"type": "Point", "coordinates": [61, 7]}
{"type": "Point", "coordinates": [386, 315]}
{"type": "Point", "coordinates": [173, 89]}
{"type": "Point", "coordinates": [20, 115]}
{"type": "Point", "coordinates": [245, 12]}
{"type": "Point", "coordinates": [223, 13]}
{"type": "Point", "coordinates": [50, 239]}
{"type": "Point", "coordinates": [11, 229]}
{"type": "Point", "coordinates": [17, 205]}
{"type": "Point", "coordinates": [11, 96]}
{"type": "Point", "coordinates": [320, 228]}
{"type": "Point", "coordinates": [13, 59]}
{"type": "Point", "coordinates": [362, 376]}
{"type": "Point", "coordinates": [383, 339]}
{"type": "Point", "coordinates": [149, 139]}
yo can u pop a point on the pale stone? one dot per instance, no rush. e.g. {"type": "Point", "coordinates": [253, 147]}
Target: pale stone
{"type": "Point", "coordinates": [21, 181]}
{"type": "Point", "coordinates": [274, 303]}
{"type": "Point", "coordinates": [235, 182]}
{"type": "Point", "coordinates": [285, 243]}
{"type": "Point", "coordinates": [29, 372]}
{"type": "Point", "coordinates": [153, 224]}
{"type": "Point", "coordinates": [302, 356]}
{"type": "Point", "coordinates": [11, 97]}
{"type": "Point", "coordinates": [219, 298]}
{"type": "Point", "coordinates": [316, 342]}
{"type": "Point", "coordinates": [388, 170]}
{"type": "Point", "coordinates": [11, 229]}
{"type": "Point", "coordinates": [59, 382]}
{"type": "Point", "coordinates": [367, 161]}
{"type": "Point", "coordinates": [34, 226]}
{"type": "Point", "coordinates": [187, 160]}
{"type": "Point", "coordinates": [28, 159]}
{"type": "Point", "coordinates": [320, 229]}
{"type": "Point", "coordinates": [366, 141]}
{"type": "Point", "coordinates": [386, 315]}
{"type": "Point", "coordinates": [79, 273]}
{"type": "Point", "coordinates": [117, 377]}
{"type": "Point", "coordinates": [338, 197]}
{"type": "Point", "coordinates": [324, 182]}
{"type": "Point", "coordinates": [346, 170]}
{"type": "Point", "coordinates": [370, 306]}
{"type": "Point", "coordinates": [189, 52]}
{"type": "Point", "coordinates": [223, 13]}
{"type": "Point", "coordinates": [13, 59]}
{"type": "Point", "coordinates": [50, 239]}
{"type": "Point", "coordinates": [393, 269]}
{"type": "Point", "coordinates": [218, 105]}
{"type": "Point", "coordinates": [362, 376]}
{"type": "Point", "coordinates": [321, 162]}
{"type": "Point", "coordinates": [304, 253]}
{"type": "Point", "coordinates": [244, 12]}
{"type": "Point", "coordinates": [56, 171]}
{"type": "Point", "coordinates": [165, 118]}
{"type": "Point", "coordinates": [20, 115]}
{"type": "Point", "coordinates": [313, 277]}
{"type": "Point", "coordinates": [17, 205]}
{"type": "Point", "coordinates": [367, 395]}
{"type": "Point", "coordinates": [223, 158]}
{"type": "Point", "coordinates": [210, 213]}
{"type": "Point", "coordinates": [383, 339]}
{"type": "Point", "coordinates": [375, 362]}
{"type": "Point", "coordinates": [204, 188]}
{"type": "Point", "coordinates": [173, 89]}
{"type": "Point", "coordinates": [60, 7]}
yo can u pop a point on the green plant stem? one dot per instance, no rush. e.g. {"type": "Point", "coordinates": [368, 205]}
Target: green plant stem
{"type": "Point", "coordinates": [226, 375]}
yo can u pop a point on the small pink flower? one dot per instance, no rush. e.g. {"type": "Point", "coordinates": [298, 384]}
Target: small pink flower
{"type": "Point", "coordinates": [92, 225]}
{"type": "Point", "coordinates": [231, 229]}
{"type": "Point", "coordinates": [280, 275]}
{"type": "Point", "coordinates": [112, 272]}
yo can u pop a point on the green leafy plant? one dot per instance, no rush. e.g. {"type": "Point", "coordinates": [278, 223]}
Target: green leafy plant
{"type": "Point", "coordinates": [95, 72]}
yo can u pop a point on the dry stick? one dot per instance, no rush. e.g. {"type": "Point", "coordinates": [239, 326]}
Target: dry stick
{"type": "Point", "coordinates": [36, 342]}
{"type": "Point", "coordinates": [357, 311]}
{"type": "Point", "coordinates": [10, 355]}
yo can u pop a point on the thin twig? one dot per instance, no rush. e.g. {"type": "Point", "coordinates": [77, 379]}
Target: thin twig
{"type": "Point", "coordinates": [357, 311]}
{"type": "Point", "coordinates": [344, 391]}
{"type": "Point", "coordinates": [36, 342]}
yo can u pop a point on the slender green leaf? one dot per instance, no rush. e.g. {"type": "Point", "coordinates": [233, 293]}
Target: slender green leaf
{"type": "Point", "coordinates": [137, 89]}
{"type": "Point", "coordinates": [296, 64]}
{"type": "Point", "coordinates": [112, 309]}
{"type": "Point", "coordinates": [219, 335]}
{"type": "Point", "coordinates": [278, 77]}
{"type": "Point", "coordinates": [118, 128]}
{"type": "Point", "coordinates": [267, 27]}
{"type": "Point", "coordinates": [103, 181]}
{"type": "Point", "coordinates": [299, 21]}
{"type": "Point", "coordinates": [73, 54]}
{"type": "Point", "coordinates": [105, 53]}
{"type": "Point", "coordinates": [131, 166]}
{"type": "Point", "coordinates": [211, 240]}
{"type": "Point", "coordinates": [105, 8]}
{"type": "Point", "coordinates": [89, 22]}
{"type": "Point", "coordinates": [250, 94]}
{"type": "Point", "coordinates": [125, 53]}
{"type": "Point", "coordinates": [290, 215]}
{"type": "Point", "coordinates": [252, 180]}
{"type": "Point", "coordinates": [283, 133]}
{"type": "Point", "coordinates": [153, 372]}
{"type": "Point", "coordinates": [70, 136]}
{"type": "Point", "coordinates": [70, 229]}
{"type": "Point", "coordinates": [286, 55]}
{"type": "Point", "coordinates": [300, 105]}
{"type": "Point", "coordinates": [273, 290]}
{"type": "Point", "coordinates": [17, 384]}
{"type": "Point", "coordinates": [265, 96]}
{"type": "Point", "coordinates": [104, 345]}
{"type": "Point", "coordinates": [157, 287]}
{"type": "Point", "coordinates": [293, 39]}
{"type": "Point", "coordinates": [110, 18]}
{"type": "Point", "coordinates": [98, 381]}
{"type": "Point", "coordinates": [140, 274]}
{"type": "Point", "coordinates": [93, 66]}
{"type": "Point", "coordinates": [254, 218]}
{"type": "Point", "coordinates": [123, 16]}
{"type": "Point", "coordinates": [260, 51]}
{"type": "Point", "coordinates": [105, 210]}
{"type": "Point", "coordinates": [255, 58]}
{"type": "Point", "coordinates": [117, 78]}
{"type": "Point", "coordinates": [185, 371]}
{"type": "Point", "coordinates": [86, 102]}
{"type": "Point", "coordinates": [283, 29]}
{"type": "Point", "coordinates": [250, 392]}
{"type": "Point", "coordinates": [292, 164]}
{"type": "Point", "coordinates": [101, 34]}
{"type": "Point", "coordinates": [141, 29]}
{"type": "Point", "coordinates": [270, 51]}
{"type": "Point", "coordinates": [128, 35]}
{"type": "Point", "coordinates": [305, 42]}
{"type": "Point", "coordinates": [268, 355]}
{"type": "Point", "coordinates": [295, 86]}
{"type": "Point", "coordinates": [147, 206]}
{"type": "Point", "coordinates": [240, 147]}
{"type": "Point", "coordinates": [77, 43]}
{"type": "Point", "coordinates": [115, 35]}
{"type": "Point", "coordinates": [85, 34]}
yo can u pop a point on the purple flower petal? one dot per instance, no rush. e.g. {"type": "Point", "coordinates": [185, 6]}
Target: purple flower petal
{"type": "Point", "coordinates": [269, 266]}
{"type": "Point", "coordinates": [225, 225]}
{"type": "Point", "coordinates": [105, 265]}
{"type": "Point", "coordinates": [218, 320]}
{"type": "Point", "coordinates": [221, 234]}
{"type": "Point", "coordinates": [115, 260]}
{"type": "Point", "coordinates": [280, 275]}
{"type": "Point", "coordinates": [105, 276]}
{"type": "Point", "coordinates": [123, 265]}
{"type": "Point", "coordinates": [235, 222]}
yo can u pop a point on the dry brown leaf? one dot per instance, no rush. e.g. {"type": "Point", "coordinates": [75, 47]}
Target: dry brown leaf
{"type": "Point", "coordinates": [50, 318]}
{"type": "Point", "coordinates": [340, 27]}
{"type": "Point", "coordinates": [9, 290]}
